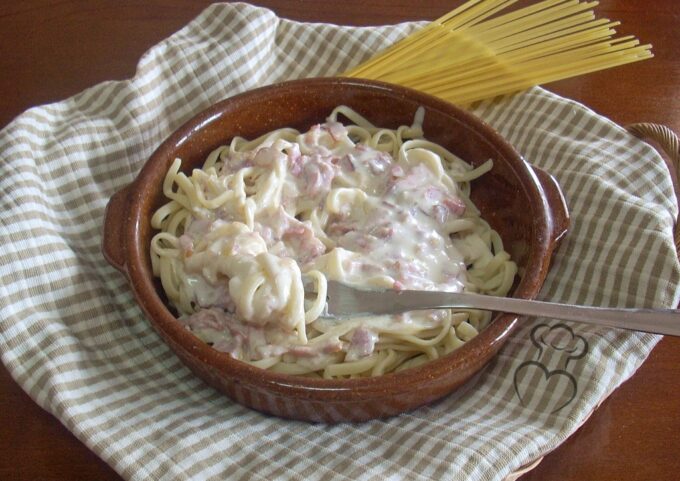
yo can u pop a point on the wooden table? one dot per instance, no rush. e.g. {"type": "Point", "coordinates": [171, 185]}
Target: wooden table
{"type": "Point", "coordinates": [50, 50]}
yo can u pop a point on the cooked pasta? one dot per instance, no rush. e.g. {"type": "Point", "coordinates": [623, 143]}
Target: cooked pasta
{"type": "Point", "coordinates": [247, 243]}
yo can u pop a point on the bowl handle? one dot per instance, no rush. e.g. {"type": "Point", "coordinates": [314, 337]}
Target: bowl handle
{"type": "Point", "coordinates": [113, 240]}
{"type": "Point", "coordinates": [558, 205]}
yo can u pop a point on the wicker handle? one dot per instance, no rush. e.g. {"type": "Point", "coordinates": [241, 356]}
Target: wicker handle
{"type": "Point", "coordinates": [670, 144]}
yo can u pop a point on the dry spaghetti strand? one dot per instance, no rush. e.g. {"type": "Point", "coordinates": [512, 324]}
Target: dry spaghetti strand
{"type": "Point", "coordinates": [479, 51]}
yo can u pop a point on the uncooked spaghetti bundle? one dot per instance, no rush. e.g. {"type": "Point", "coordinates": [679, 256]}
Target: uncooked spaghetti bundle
{"type": "Point", "coordinates": [480, 50]}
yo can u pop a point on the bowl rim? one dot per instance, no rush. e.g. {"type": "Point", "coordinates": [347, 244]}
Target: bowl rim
{"type": "Point", "coordinates": [429, 373]}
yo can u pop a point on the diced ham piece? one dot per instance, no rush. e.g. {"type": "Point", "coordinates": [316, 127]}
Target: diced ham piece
{"type": "Point", "coordinates": [412, 179]}
{"type": "Point", "coordinates": [397, 171]}
{"type": "Point", "coordinates": [239, 338]}
{"type": "Point", "coordinates": [410, 273]}
{"type": "Point", "coordinates": [336, 130]}
{"type": "Point", "coordinates": [312, 134]}
{"type": "Point", "coordinates": [455, 205]}
{"type": "Point", "coordinates": [299, 240]}
{"type": "Point", "coordinates": [362, 344]}
{"type": "Point", "coordinates": [215, 319]}
{"type": "Point", "coordinates": [443, 204]}
{"type": "Point", "coordinates": [305, 245]}
{"type": "Point", "coordinates": [295, 159]}
{"type": "Point", "coordinates": [317, 175]}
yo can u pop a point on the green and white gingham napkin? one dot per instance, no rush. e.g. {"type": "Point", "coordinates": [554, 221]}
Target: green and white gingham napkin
{"type": "Point", "coordinates": [72, 336]}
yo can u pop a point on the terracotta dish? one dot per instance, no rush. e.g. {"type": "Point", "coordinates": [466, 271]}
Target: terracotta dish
{"type": "Point", "coordinates": [522, 203]}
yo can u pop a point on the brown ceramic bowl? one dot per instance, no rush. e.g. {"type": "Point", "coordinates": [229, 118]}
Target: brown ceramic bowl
{"type": "Point", "coordinates": [522, 203]}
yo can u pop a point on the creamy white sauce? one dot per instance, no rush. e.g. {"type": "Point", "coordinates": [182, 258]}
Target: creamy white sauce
{"type": "Point", "coordinates": [377, 221]}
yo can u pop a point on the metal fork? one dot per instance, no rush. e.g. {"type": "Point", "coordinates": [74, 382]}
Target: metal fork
{"type": "Point", "coordinates": [346, 301]}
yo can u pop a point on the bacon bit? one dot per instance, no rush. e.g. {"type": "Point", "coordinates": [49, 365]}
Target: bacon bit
{"type": "Point", "coordinates": [335, 130]}
{"type": "Point", "coordinates": [362, 344]}
{"type": "Point", "coordinates": [301, 239]}
{"type": "Point", "coordinates": [317, 175]}
{"type": "Point", "coordinates": [398, 286]}
{"type": "Point", "coordinates": [455, 205]}
{"type": "Point", "coordinates": [415, 177]}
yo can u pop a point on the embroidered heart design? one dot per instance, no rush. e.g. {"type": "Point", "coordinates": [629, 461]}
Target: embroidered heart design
{"type": "Point", "coordinates": [547, 382]}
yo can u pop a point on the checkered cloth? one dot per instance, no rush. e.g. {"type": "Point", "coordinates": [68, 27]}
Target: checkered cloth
{"type": "Point", "coordinates": [73, 337]}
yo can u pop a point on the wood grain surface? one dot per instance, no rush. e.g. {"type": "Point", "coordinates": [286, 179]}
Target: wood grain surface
{"type": "Point", "coordinates": [50, 50]}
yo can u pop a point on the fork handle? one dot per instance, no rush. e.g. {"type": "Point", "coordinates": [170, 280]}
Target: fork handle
{"type": "Point", "coordinates": [657, 321]}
